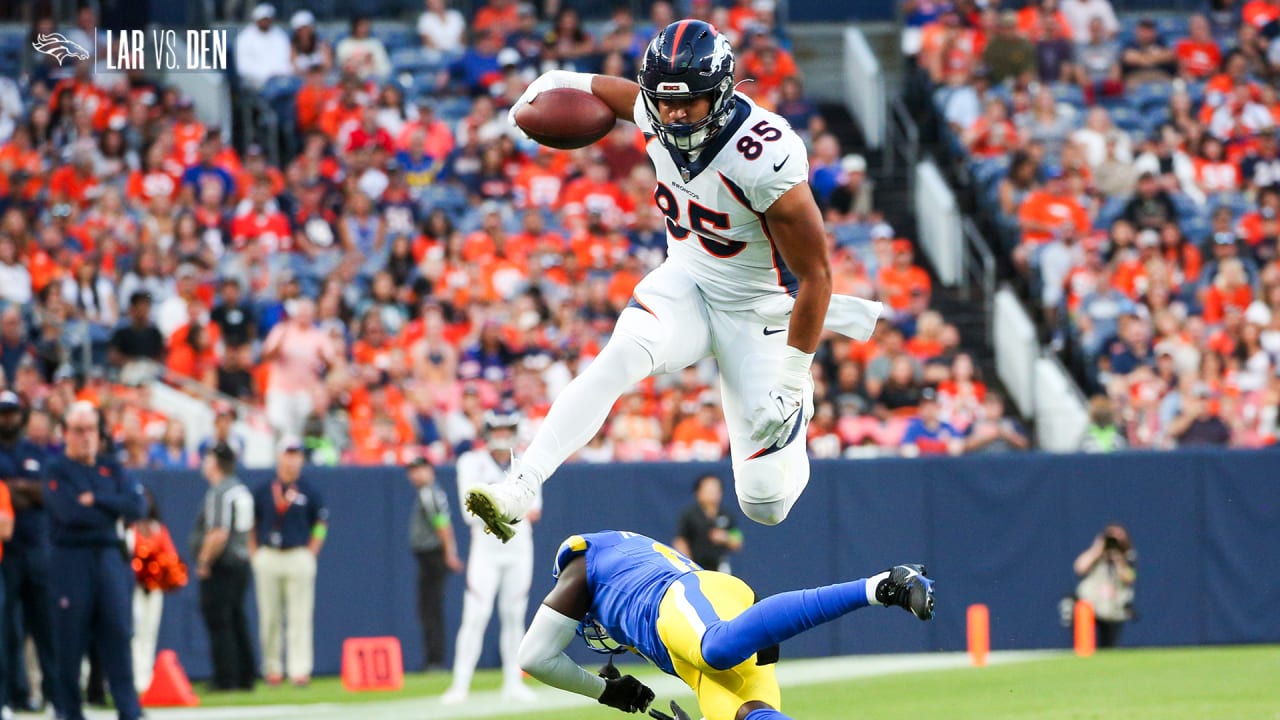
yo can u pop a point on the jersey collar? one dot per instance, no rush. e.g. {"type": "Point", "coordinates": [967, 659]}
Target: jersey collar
{"type": "Point", "coordinates": [690, 170]}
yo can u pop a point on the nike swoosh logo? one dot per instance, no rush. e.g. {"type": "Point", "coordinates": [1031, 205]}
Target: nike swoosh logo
{"type": "Point", "coordinates": [778, 167]}
{"type": "Point", "coordinates": [767, 331]}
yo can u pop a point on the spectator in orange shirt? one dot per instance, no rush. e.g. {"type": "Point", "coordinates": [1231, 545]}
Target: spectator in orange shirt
{"type": "Point", "coordinates": [991, 135]}
{"type": "Point", "coordinates": [1198, 54]}
{"type": "Point", "coordinates": [1261, 227]}
{"type": "Point", "coordinates": [438, 139]}
{"type": "Point", "coordinates": [697, 437]}
{"type": "Point", "coordinates": [75, 183]}
{"type": "Point", "coordinates": [501, 16]}
{"type": "Point", "coordinates": [768, 65]}
{"type": "Point", "coordinates": [902, 286]}
{"type": "Point", "coordinates": [6, 517]}
{"type": "Point", "coordinates": [1047, 214]}
{"type": "Point", "coordinates": [1229, 289]}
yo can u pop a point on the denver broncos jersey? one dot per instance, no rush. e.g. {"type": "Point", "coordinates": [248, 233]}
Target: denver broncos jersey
{"type": "Point", "coordinates": [715, 205]}
{"type": "Point", "coordinates": [627, 575]}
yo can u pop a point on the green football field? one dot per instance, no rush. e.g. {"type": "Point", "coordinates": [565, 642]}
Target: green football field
{"type": "Point", "coordinates": [1227, 683]}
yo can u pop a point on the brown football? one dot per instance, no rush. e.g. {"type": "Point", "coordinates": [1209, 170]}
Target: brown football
{"type": "Point", "coordinates": [565, 119]}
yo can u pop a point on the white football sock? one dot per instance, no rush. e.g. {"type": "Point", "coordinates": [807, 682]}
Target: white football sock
{"type": "Point", "coordinates": [873, 582]}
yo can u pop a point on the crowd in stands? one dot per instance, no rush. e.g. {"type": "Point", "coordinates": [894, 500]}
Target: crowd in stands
{"type": "Point", "coordinates": [418, 260]}
{"type": "Point", "coordinates": [1131, 166]}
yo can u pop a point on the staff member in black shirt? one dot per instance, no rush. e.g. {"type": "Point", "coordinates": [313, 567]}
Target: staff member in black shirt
{"type": "Point", "coordinates": [139, 339]}
{"type": "Point", "coordinates": [291, 522]}
{"type": "Point", "coordinates": [707, 533]}
{"type": "Point", "coordinates": [90, 500]}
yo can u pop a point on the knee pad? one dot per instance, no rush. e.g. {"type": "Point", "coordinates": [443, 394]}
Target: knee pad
{"type": "Point", "coordinates": [765, 513]}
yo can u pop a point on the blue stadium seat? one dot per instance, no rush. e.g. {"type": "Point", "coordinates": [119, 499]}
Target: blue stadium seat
{"type": "Point", "coordinates": [280, 86]}
{"type": "Point", "coordinates": [1151, 95]}
{"type": "Point", "coordinates": [453, 109]}
{"type": "Point", "coordinates": [1238, 203]}
{"type": "Point", "coordinates": [1186, 207]}
{"type": "Point", "coordinates": [1068, 93]}
{"type": "Point", "coordinates": [1126, 118]}
{"type": "Point", "coordinates": [1172, 28]}
{"type": "Point", "coordinates": [1196, 229]}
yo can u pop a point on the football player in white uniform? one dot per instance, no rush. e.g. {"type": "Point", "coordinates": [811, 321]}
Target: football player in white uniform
{"type": "Point", "coordinates": [747, 279]}
{"type": "Point", "coordinates": [494, 569]}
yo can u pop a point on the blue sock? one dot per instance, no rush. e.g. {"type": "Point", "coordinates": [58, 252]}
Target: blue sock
{"type": "Point", "coordinates": [777, 618]}
{"type": "Point", "coordinates": [766, 714]}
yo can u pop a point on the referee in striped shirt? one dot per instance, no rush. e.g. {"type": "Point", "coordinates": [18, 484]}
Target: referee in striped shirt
{"type": "Point", "coordinates": [433, 543]}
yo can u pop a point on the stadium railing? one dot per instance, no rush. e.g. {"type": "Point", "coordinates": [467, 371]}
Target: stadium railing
{"type": "Point", "coordinates": [939, 221]}
{"type": "Point", "coordinates": [864, 87]}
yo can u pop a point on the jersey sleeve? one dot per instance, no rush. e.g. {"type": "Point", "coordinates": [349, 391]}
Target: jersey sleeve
{"type": "Point", "coordinates": [641, 116]}
{"type": "Point", "coordinates": [573, 546]}
{"type": "Point", "coordinates": [780, 164]}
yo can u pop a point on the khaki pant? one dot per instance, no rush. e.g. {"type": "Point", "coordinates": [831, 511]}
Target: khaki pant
{"type": "Point", "coordinates": [285, 583]}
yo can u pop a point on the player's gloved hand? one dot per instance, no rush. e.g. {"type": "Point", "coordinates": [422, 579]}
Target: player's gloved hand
{"type": "Point", "coordinates": [775, 415]}
{"type": "Point", "coordinates": [609, 671]}
{"type": "Point", "coordinates": [626, 694]}
{"type": "Point", "coordinates": [677, 713]}
{"type": "Point", "coordinates": [549, 81]}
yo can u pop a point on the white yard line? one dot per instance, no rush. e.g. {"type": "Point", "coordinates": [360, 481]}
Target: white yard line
{"type": "Point", "coordinates": [791, 673]}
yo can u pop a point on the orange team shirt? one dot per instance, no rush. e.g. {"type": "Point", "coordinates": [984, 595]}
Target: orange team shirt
{"type": "Point", "coordinates": [600, 251]}
{"type": "Point", "coordinates": [536, 186]}
{"type": "Point", "coordinates": [784, 67]}
{"type": "Point", "coordinates": [42, 268]}
{"type": "Point", "coordinates": [1259, 13]}
{"type": "Point", "coordinates": [337, 120]}
{"type": "Point", "coordinates": [897, 286]}
{"type": "Point", "coordinates": [1039, 206]}
{"type": "Point", "coordinates": [691, 433]}
{"type": "Point", "coordinates": [1216, 177]}
{"type": "Point", "coordinates": [65, 185]}
{"type": "Point", "coordinates": [924, 349]}
{"type": "Point", "coordinates": [1216, 302]}
{"type": "Point", "coordinates": [311, 102]}
{"type": "Point", "coordinates": [607, 198]}
{"type": "Point", "coordinates": [1034, 31]}
{"type": "Point", "coordinates": [381, 357]}
{"type": "Point", "coordinates": [1188, 262]}
{"type": "Point", "coordinates": [1130, 278]}
{"type": "Point", "coordinates": [6, 508]}
{"type": "Point", "coordinates": [143, 187]}
{"type": "Point", "coordinates": [12, 160]}
{"type": "Point", "coordinates": [621, 287]}
{"type": "Point", "coordinates": [186, 141]}
{"type": "Point", "coordinates": [479, 247]}
{"type": "Point", "coordinates": [1254, 228]}
{"type": "Point", "coordinates": [501, 279]}
{"type": "Point", "coordinates": [245, 179]}
{"type": "Point", "coordinates": [505, 19]}
{"type": "Point", "coordinates": [1200, 59]}
{"type": "Point", "coordinates": [993, 140]}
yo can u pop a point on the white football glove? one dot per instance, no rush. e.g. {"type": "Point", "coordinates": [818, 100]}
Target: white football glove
{"type": "Point", "coordinates": [789, 402]}
{"type": "Point", "coordinates": [549, 81]}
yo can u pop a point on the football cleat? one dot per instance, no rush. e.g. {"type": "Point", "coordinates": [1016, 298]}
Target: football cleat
{"type": "Point", "coordinates": [500, 506]}
{"type": "Point", "coordinates": [909, 588]}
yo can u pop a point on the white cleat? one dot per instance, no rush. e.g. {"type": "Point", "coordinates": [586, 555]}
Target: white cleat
{"type": "Point", "coordinates": [454, 696]}
{"type": "Point", "coordinates": [519, 693]}
{"type": "Point", "coordinates": [500, 506]}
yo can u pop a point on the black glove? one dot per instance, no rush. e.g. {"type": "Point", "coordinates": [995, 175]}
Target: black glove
{"type": "Point", "coordinates": [626, 694]}
{"type": "Point", "coordinates": [676, 710]}
{"type": "Point", "coordinates": [609, 671]}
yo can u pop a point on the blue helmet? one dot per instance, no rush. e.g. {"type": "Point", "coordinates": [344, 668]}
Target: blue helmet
{"type": "Point", "coordinates": [688, 59]}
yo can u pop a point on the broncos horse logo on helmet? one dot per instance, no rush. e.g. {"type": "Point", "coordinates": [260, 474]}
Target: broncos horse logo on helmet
{"type": "Point", "coordinates": [688, 59]}
{"type": "Point", "coordinates": [57, 46]}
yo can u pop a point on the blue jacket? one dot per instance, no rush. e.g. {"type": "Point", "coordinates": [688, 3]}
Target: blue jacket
{"type": "Point", "coordinates": [25, 460]}
{"type": "Point", "coordinates": [116, 497]}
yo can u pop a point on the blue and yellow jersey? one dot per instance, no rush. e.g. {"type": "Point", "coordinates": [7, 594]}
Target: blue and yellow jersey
{"type": "Point", "coordinates": [628, 574]}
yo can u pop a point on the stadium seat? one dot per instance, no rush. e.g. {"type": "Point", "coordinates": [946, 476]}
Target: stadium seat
{"type": "Point", "coordinates": [1068, 93]}
{"type": "Point", "coordinates": [1196, 229]}
{"type": "Point", "coordinates": [1148, 96]}
{"type": "Point", "coordinates": [1110, 211]}
{"type": "Point", "coordinates": [1126, 118]}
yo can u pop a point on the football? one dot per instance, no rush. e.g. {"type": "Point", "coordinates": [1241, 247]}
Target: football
{"type": "Point", "coordinates": [565, 119]}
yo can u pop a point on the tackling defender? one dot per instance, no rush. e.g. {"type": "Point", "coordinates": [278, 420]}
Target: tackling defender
{"type": "Point", "coordinates": [624, 591]}
{"type": "Point", "coordinates": [747, 279]}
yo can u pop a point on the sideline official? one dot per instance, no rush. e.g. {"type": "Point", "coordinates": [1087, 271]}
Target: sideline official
{"type": "Point", "coordinates": [434, 545]}
{"type": "Point", "coordinates": [220, 545]}
{"type": "Point", "coordinates": [89, 502]}
{"type": "Point", "coordinates": [290, 528]}
{"type": "Point", "coordinates": [26, 562]}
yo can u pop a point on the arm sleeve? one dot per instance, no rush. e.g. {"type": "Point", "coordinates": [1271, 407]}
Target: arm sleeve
{"type": "Point", "coordinates": [127, 502]}
{"type": "Point", "coordinates": [641, 115]}
{"type": "Point", "coordinates": [60, 500]}
{"type": "Point", "coordinates": [542, 654]}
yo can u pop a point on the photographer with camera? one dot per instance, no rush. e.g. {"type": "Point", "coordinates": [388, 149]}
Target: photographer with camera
{"type": "Point", "coordinates": [1107, 576]}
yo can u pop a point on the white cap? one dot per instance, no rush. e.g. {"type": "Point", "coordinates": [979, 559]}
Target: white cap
{"type": "Point", "coordinates": [289, 443]}
{"type": "Point", "coordinates": [264, 11]}
{"type": "Point", "coordinates": [508, 56]}
{"type": "Point", "coordinates": [302, 18]}
{"type": "Point", "coordinates": [853, 164]}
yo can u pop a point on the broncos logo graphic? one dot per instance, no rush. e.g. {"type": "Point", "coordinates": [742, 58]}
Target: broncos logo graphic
{"type": "Point", "coordinates": [57, 45]}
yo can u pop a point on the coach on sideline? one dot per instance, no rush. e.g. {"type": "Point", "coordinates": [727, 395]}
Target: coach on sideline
{"type": "Point", "coordinates": [89, 500]}
{"type": "Point", "coordinates": [291, 521]}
